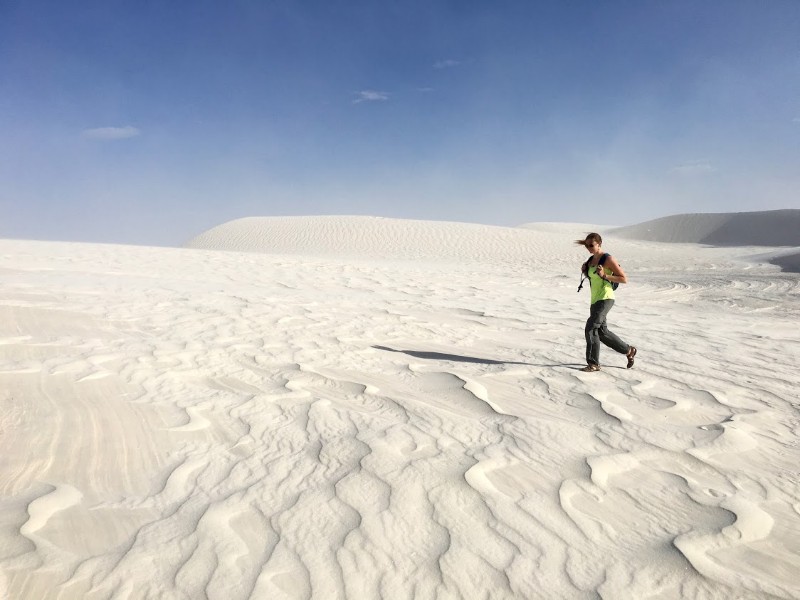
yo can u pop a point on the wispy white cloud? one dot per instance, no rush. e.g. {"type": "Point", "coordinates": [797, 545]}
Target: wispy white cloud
{"type": "Point", "coordinates": [111, 133]}
{"type": "Point", "coordinates": [796, 120]}
{"type": "Point", "coordinates": [370, 96]}
{"type": "Point", "coordinates": [698, 167]}
{"type": "Point", "coordinates": [446, 64]}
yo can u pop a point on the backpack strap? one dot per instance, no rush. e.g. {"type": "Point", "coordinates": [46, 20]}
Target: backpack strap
{"type": "Point", "coordinates": [603, 258]}
{"type": "Point", "coordinates": [585, 270]}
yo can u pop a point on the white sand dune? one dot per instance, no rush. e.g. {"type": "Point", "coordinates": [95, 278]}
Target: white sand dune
{"type": "Point", "coordinates": [760, 228]}
{"type": "Point", "coordinates": [368, 408]}
{"type": "Point", "coordinates": [375, 237]}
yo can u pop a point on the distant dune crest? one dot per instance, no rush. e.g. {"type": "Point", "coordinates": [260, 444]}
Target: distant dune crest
{"type": "Point", "coordinates": [373, 237]}
{"type": "Point", "coordinates": [763, 228]}
{"type": "Point", "coordinates": [362, 234]}
{"type": "Point", "coordinates": [381, 237]}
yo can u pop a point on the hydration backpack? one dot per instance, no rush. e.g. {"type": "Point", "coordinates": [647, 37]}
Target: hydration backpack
{"type": "Point", "coordinates": [585, 271]}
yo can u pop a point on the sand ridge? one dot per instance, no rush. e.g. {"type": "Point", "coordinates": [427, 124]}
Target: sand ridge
{"type": "Point", "coordinates": [378, 237]}
{"type": "Point", "coordinates": [767, 228]}
{"type": "Point", "coordinates": [758, 228]}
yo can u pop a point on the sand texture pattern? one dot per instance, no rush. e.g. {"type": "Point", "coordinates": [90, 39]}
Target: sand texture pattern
{"type": "Point", "coordinates": [398, 416]}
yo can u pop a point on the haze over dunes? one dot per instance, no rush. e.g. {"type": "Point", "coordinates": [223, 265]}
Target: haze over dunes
{"type": "Point", "coordinates": [495, 113]}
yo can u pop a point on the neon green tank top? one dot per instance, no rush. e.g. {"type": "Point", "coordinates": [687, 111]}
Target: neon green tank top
{"type": "Point", "coordinates": [601, 290]}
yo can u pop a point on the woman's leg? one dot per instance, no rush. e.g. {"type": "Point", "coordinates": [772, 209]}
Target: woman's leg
{"type": "Point", "coordinates": [592, 344]}
{"type": "Point", "coordinates": [612, 340]}
{"type": "Point", "coordinates": [594, 325]}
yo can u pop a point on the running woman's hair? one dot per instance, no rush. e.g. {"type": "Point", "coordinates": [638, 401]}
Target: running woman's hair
{"type": "Point", "coordinates": [592, 237]}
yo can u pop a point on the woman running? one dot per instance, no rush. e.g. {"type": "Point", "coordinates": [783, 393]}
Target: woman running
{"type": "Point", "coordinates": [603, 271]}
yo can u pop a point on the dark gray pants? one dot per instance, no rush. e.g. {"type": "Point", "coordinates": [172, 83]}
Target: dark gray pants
{"type": "Point", "coordinates": [597, 331]}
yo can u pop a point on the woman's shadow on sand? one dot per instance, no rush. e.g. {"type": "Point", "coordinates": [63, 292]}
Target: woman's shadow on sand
{"type": "Point", "coordinates": [470, 359]}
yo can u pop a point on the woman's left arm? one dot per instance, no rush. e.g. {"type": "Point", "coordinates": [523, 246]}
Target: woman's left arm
{"type": "Point", "coordinates": [619, 275]}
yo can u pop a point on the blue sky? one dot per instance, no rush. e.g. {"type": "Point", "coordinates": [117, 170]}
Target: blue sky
{"type": "Point", "coordinates": [149, 122]}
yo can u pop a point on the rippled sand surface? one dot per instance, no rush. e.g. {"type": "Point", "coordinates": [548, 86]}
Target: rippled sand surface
{"type": "Point", "coordinates": [394, 410]}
